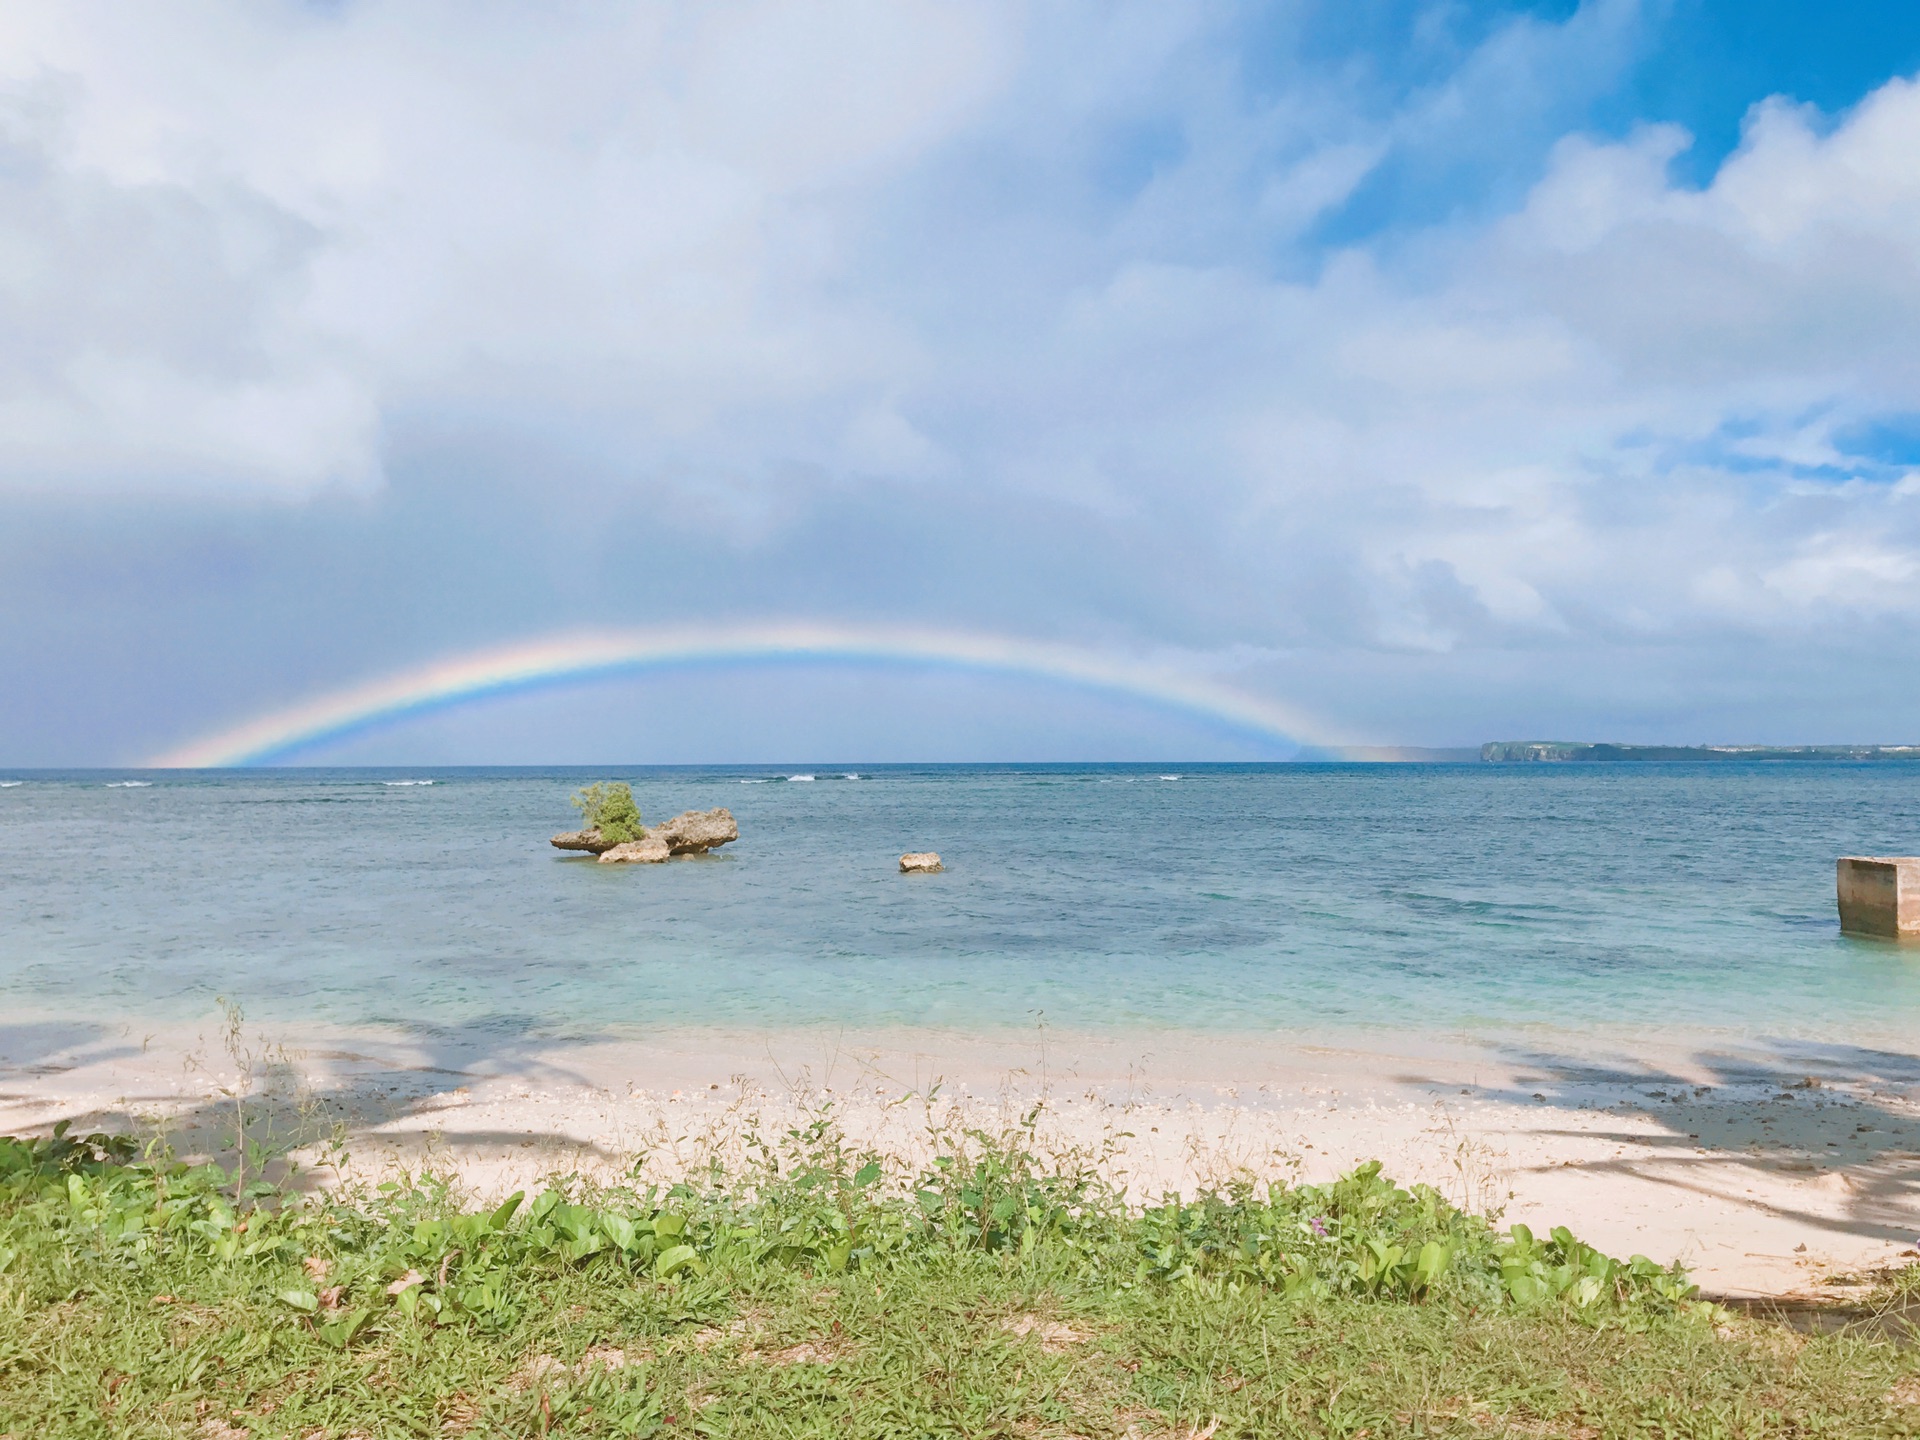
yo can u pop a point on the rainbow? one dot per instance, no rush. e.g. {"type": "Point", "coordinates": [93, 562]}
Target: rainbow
{"type": "Point", "coordinates": [572, 659]}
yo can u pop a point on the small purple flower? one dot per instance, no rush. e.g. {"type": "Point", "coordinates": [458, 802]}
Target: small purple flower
{"type": "Point", "coordinates": [1319, 1228]}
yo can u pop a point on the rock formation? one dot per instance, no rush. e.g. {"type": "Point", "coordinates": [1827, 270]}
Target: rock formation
{"type": "Point", "coordinates": [692, 832]}
{"type": "Point", "coordinates": [651, 850]}
{"type": "Point", "coordinates": [922, 862]}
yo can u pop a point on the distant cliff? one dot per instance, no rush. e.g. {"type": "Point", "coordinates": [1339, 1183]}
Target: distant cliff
{"type": "Point", "coordinates": [1558, 751]}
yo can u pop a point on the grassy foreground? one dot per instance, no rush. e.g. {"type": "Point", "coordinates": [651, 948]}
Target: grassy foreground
{"type": "Point", "coordinates": [817, 1294]}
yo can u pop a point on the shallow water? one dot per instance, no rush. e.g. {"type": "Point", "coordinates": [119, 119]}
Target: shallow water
{"type": "Point", "coordinates": [1306, 899]}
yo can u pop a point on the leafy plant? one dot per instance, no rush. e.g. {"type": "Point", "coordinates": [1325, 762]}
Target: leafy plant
{"type": "Point", "coordinates": [1562, 1268]}
{"type": "Point", "coordinates": [607, 806]}
{"type": "Point", "coordinates": [1360, 1237]}
{"type": "Point", "coordinates": [1364, 1236]}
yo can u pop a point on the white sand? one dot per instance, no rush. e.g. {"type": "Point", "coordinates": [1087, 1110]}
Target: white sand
{"type": "Point", "coordinates": [1722, 1157]}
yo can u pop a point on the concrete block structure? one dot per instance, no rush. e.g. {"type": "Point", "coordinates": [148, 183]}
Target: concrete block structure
{"type": "Point", "coordinates": [1880, 895]}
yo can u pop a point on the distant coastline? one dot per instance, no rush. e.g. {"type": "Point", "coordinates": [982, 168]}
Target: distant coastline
{"type": "Point", "coordinates": [1508, 752]}
{"type": "Point", "coordinates": [1537, 752]}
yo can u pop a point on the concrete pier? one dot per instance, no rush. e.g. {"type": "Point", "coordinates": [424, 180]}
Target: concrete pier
{"type": "Point", "coordinates": [1879, 895]}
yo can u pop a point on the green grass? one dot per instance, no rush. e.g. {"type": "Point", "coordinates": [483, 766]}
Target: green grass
{"type": "Point", "coordinates": [820, 1295]}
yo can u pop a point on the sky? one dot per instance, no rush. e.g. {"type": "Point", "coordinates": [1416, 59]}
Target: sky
{"type": "Point", "coordinates": [1448, 371]}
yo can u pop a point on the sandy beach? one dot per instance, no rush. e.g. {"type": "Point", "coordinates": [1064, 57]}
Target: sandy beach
{"type": "Point", "coordinates": [1776, 1170]}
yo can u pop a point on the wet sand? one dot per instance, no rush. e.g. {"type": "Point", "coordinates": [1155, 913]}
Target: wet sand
{"type": "Point", "coordinates": [1769, 1168]}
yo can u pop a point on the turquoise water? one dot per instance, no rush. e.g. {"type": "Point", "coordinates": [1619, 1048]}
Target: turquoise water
{"type": "Point", "coordinates": [1238, 898]}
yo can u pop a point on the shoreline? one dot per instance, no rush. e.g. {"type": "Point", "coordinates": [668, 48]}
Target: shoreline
{"type": "Point", "coordinates": [1725, 1158]}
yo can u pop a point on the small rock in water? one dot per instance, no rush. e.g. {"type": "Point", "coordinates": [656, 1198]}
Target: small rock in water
{"type": "Point", "coordinates": [922, 862]}
{"type": "Point", "coordinates": [651, 850]}
{"type": "Point", "coordinates": [588, 840]}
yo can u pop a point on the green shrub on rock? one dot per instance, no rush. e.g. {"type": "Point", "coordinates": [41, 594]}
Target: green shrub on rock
{"type": "Point", "coordinates": [608, 807]}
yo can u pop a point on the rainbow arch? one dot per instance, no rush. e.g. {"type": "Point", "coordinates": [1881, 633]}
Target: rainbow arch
{"type": "Point", "coordinates": [571, 659]}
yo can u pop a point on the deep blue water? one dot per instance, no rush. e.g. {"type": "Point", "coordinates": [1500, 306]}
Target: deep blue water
{"type": "Point", "coordinates": [1447, 898]}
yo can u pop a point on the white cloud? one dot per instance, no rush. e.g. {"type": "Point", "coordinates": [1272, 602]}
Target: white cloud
{"type": "Point", "coordinates": [235, 237]}
{"type": "Point", "coordinates": [1047, 255]}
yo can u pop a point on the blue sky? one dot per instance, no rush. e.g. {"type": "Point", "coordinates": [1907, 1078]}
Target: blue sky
{"type": "Point", "coordinates": [1453, 371]}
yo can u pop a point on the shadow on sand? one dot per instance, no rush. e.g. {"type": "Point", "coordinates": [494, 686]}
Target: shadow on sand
{"type": "Point", "coordinates": [294, 1098]}
{"type": "Point", "coordinates": [1833, 1120]}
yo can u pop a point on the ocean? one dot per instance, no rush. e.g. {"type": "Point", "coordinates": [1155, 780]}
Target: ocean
{"type": "Point", "coordinates": [1309, 900]}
